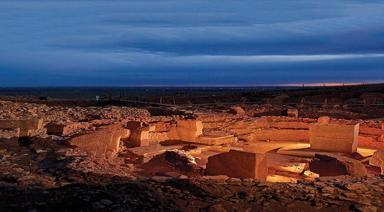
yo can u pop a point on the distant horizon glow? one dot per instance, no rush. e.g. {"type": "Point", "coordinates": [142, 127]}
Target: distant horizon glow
{"type": "Point", "coordinates": [218, 43]}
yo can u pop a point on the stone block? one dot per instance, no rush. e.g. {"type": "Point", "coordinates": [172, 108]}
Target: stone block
{"type": "Point", "coordinates": [140, 137]}
{"type": "Point", "coordinates": [370, 142]}
{"type": "Point", "coordinates": [334, 137]}
{"type": "Point", "coordinates": [189, 129]}
{"type": "Point", "coordinates": [139, 133]}
{"type": "Point", "coordinates": [238, 164]}
{"type": "Point", "coordinates": [10, 133]}
{"type": "Point", "coordinates": [216, 140]}
{"type": "Point", "coordinates": [370, 131]}
{"type": "Point", "coordinates": [65, 129]}
{"type": "Point", "coordinates": [292, 112]}
{"type": "Point", "coordinates": [102, 142]}
{"type": "Point", "coordinates": [161, 126]}
{"type": "Point", "coordinates": [158, 136]}
{"type": "Point", "coordinates": [324, 120]}
{"type": "Point", "coordinates": [26, 126]}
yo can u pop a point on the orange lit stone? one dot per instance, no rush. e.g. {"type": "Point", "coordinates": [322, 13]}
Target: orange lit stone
{"type": "Point", "coordinates": [238, 164]}
{"type": "Point", "coordinates": [102, 142]}
{"type": "Point", "coordinates": [334, 137]}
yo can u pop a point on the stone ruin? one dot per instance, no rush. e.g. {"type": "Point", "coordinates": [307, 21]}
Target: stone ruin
{"type": "Point", "coordinates": [268, 148]}
{"type": "Point", "coordinates": [22, 127]}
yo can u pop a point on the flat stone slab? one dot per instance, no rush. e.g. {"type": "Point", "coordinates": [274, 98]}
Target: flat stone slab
{"type": "Point", "coordinates": [216, 140]}
{"type": "Point", "coordinates": [304, 150]}
{"type": "Point", "coordinates": [148, 152]}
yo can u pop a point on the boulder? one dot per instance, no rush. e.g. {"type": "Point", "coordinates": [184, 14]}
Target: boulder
{"type": "Point", "coordinates": [326, 164]}
{"type": "Point", "coordinates": [172, 161]}
{"type": "Point", "coordinates": [237, 110]}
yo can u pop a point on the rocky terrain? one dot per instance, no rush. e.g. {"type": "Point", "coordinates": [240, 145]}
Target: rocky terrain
{"type": "Point", "coordinates": [115, 157]}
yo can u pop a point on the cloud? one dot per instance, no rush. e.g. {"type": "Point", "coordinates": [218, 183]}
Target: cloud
{"type": "Point", "coordinates": [190, 42]}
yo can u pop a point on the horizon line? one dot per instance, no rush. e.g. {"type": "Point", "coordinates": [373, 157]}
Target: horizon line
{"type": "Point", "coordinates": [293, 85]}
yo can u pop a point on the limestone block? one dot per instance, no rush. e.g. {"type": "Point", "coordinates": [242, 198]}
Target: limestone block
{"type": "Point", "coordinates": [158, 136]}
{"type": "Point", "coordinates": [65, 129]}
{"type": "Point", "coordinates": [370, 131]}
{"type": "Point", "coordinates": [334, 137]}
{"type": "Point", "coordinates": [216, 140]}
{"type": "Point", "coordinates": [324, 120]}
{"type": "Point", "coordinates": [102, 142]}
{"type": "Point", "coordinates": [238, 164]}
{"type": "Point", "coordinates": [139, 133]}
{"type": "Point", "coordinates": [10, 133]}
{"type": "Point", "coordinates": [189, 129]}
{"type": "Point", "coordinates": [371, 142]}
{"type": "Point", "coordinates": [140, 137]}
{"type": "Point", "coordinates": [293, 112]}
{"type": "Point", "coordinates": [161, 126]}
{"type": "Point", "coordinates": [26, 126]}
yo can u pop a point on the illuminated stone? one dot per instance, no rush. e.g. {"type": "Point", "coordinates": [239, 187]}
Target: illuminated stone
{"type": "Point", "coordinates": [323, 120]}
{"type": "Point", "coordinates": [26, 126]}
{"type": "Point", "coordinates": [292, 112]}
{"type": "Point", "coordinates": [377, 160]}
{"type": "Point", "coordinates": [334, 137]}
{"type": "Point", "coordinates": [102, 142]}
{"type": "Point", "coordinates": [238, 164]}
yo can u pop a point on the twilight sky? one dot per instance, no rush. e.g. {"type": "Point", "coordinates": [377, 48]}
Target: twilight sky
{"type": "Point", "coordinates": [190, 42]}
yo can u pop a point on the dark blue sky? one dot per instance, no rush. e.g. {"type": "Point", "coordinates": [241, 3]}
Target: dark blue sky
{"type": "Point", "coordinates": [185, 42]}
